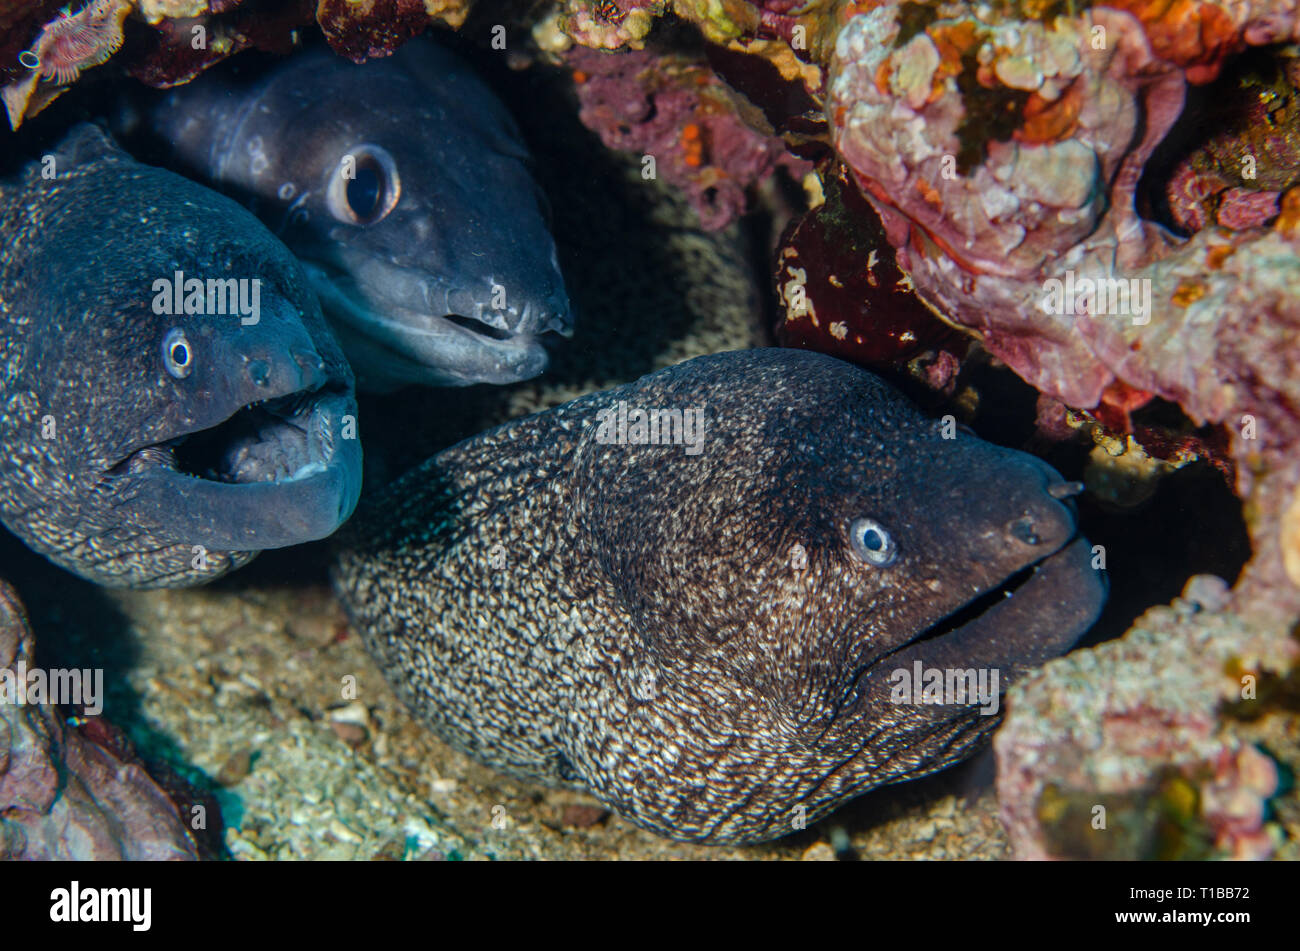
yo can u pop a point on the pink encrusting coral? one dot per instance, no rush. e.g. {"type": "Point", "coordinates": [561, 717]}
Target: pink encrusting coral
{"type": "Point", "coordinates": [981, 215]}
{"type": "Point", "coordinates": [678, 115]}
{"type": "Point", "coordinates": [1105, 746]}
{"type": "Point", "coordinates": [1005, 154]}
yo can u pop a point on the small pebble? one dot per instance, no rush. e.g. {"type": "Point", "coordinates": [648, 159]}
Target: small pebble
{"type": "Point", "coordinates": [235, 768]}
{"type": "Point", "coordinates": [578, 816]}
{"type": "Point", "coordinates": [821, 852]}
{"type": "Point", "coordinates": [350, 733]}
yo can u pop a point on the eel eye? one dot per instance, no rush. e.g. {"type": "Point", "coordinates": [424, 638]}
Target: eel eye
{"type": "Point", "coordinates": [178, 355]}
{"type": "Point", "coordinates": [872, 542]}
{"type": "Point", "coordinates": [364, 187]}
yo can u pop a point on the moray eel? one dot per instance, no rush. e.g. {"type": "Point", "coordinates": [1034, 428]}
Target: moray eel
{"type": "Point", "coordinates": [144, 443]}
{"type": "Point", "coordinates": [404, 188]}
{"type": "Point", "coordinates": [708, 635]}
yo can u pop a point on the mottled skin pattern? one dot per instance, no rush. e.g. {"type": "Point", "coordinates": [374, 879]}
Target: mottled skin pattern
{"type": "Point", "coordinates": [647, 628]}
{"type": "Point", "coordinates": [89, 413]}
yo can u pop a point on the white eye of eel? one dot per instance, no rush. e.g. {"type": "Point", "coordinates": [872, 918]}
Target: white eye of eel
{"type": "Point", "coordinates": [365, 186]}
{"type": "Point", "coordinates": [178, 355]}
{"type": "Point", "coordinates": [872, 542]}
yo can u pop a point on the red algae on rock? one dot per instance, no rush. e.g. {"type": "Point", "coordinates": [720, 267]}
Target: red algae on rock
{"type": "Point", "coordinates": [168, 56]}
{"type": "Point", "coordinates": [360, 29]}
{"type": "Point", "coordinates": [842, 293]}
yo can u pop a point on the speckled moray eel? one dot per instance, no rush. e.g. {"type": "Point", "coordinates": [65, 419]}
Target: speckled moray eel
{"type": "Point", "coordinates": [149, 435]}
{"type": "Point", "coordinates": [705, 635]}
{"type": "Point", "coordinates": [404, 188]}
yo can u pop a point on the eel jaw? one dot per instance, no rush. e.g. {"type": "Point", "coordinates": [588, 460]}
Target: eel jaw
{"type": "Point", "coordinates": [275, 473]}
{"type": "Point", "coordinates": [398, 345]}
{"type": "Point", "coordinates": [1035, 614]}
{"type": "Point", "coordinates": [876, 739]}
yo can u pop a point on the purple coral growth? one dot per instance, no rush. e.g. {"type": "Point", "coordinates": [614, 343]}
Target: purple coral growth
{"type": "Point", "coordinates": [679, 113]}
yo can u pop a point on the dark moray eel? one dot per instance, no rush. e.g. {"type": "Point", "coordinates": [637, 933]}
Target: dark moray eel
{"type": "Point", "coordinates": [709, 640]}
{"type": "Point", "coordinates": [145, 444]}
{"type": "Point", "coordinates": [404, 188]}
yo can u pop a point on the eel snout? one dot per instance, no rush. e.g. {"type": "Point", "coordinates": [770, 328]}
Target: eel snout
{"type": "Point", "coordinates": [1040, 592]}
{"type": "Point", "coordinates": [403, 327]}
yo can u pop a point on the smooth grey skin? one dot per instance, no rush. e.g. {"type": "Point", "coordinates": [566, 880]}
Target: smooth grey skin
{"type": "Point", "coordinates": [113, 466]}
{"type": "Point", "coordinates": [464, 238]}
{"type": "Point", "coordinates": [698, 639]}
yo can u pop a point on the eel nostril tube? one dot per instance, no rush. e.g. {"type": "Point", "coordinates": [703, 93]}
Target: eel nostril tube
{"type": "Point", "coordinates": [1064, 490]}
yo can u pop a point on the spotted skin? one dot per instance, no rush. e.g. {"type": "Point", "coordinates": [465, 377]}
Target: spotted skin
{"type": "Point", "coordinates": [695, 638]}
{"type": "Point", "coordinates": [92, 475]}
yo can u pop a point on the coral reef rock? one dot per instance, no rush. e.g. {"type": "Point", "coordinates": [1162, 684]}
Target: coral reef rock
{"type": "Point", "coordinates": [62, 796]}
{"type": "Point", "coordinates": [1142, 747]}
{"type": "Point", "coordinates": [682, 118]}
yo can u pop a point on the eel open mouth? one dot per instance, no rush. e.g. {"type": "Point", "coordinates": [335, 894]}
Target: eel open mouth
{"type": "Point", "coordinates": [274, 473]}
{"type": "Point", "coordinates": [280, 440]}
{"type": "Point", "coordinates": [1033, 615]}
{"type": "Point", "coordinates": [394, 343]}
{"type": "Point", "coordinates": [978, 606]}
{"type": "Point", "coordinates": [277, 440]}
